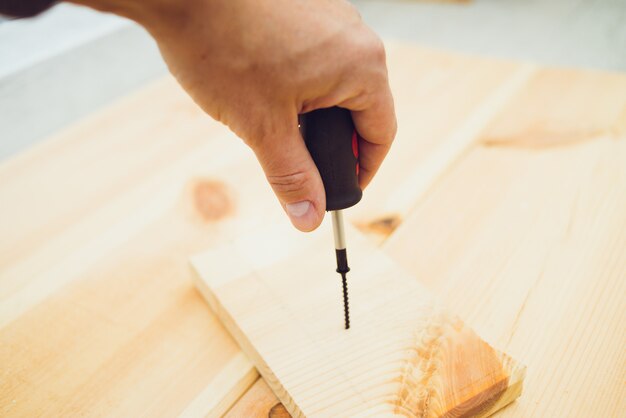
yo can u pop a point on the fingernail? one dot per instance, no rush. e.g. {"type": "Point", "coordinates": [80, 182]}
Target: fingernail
{"type": "Point", "coordinates": [298, 209]}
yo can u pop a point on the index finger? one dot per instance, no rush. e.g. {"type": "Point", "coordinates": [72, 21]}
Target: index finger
{"type": "Point", "coordinates": [376, 126]}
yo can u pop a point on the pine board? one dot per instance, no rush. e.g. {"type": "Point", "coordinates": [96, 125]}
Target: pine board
{"type": "Point", "coordinates": [552, 133]}
{"type": "Point", "coordinates": [405, 355]}
{"type": "Point", "coordinates": [98, 315]}
{"type": "Point", "coordinates": [526, 237]}
{"type": "Point", "coordinates": [442, 100]}
{"type": "Point", "coordinates": [455, 96]}
{"type": "Point", "coordinates": [96, 226]}
{"type": "Point", "coordinates": [258, 401]}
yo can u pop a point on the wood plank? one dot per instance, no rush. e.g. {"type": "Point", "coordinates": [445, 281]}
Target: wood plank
{"type": "Point", "coordinates": [550, 111]}
{"type": "Point", "coordinates": [455, 96]}
{"type": "Point", "coordinates": [98, 313]}
{"type": "Point", "coordinates": [129, 336]}
{"type": "Point", "coordinates": [216, 398]}
{"type": "Point", "coordinates": [89, 180]}
{"type": "Point", "coordinates": [97, 224]}
{"type": "Point", "coordinates": [258, 402]}
{"type": "Point", "coordinates": [442, 101]}
{"type": "Point", "coordinates": [98, 220]}
{"type": "Point", "coordinates": [405, 355]}
{"type": "Point", "coordinates": [526, 238]}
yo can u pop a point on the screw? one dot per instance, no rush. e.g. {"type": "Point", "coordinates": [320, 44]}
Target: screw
{"type": "Point", "coordinates": [346, 309]}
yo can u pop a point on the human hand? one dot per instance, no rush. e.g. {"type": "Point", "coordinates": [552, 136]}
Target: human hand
{"type": "Point", "coordinates": [255, 65]}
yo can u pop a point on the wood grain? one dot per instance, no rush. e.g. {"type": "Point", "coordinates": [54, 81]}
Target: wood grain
{"type": "Point", "coordinates": [526, 238]}
{"type": "Point", "coordinates": [450, 98]}
{"type": "Point", "coordinates": [551, 111]}
{"type": "Point", "coordinates": [456, 96]}
{"type": "Point", "coordinates": [97, 309]}
{"type": "Point", "coordinates": [258, 402]}
{"type": "Point", "coordinates": [102, 216]}
{"type": "Point", "coordinates": [404, 355]}
{"type": "Point", "coordinates": [98, 316]}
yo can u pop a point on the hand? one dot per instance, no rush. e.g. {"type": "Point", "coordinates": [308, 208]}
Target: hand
{"type": "Point", "coordinates": [255, 65]}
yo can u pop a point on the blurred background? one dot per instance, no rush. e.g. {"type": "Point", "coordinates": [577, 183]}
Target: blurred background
{"type": "Point", "coordinates": [70, 61]}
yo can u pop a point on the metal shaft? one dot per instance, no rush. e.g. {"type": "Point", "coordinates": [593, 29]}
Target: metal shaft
{"type": "Point", "coordinates": [342, 259]}
{"type": "Point", "coordinates": [338, 229]}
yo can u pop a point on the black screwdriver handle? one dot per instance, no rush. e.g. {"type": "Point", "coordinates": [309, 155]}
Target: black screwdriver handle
{"type": "Point", "coordinates": [333, 143]}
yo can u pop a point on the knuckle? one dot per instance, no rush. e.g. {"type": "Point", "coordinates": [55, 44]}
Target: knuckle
{"type": "Point", "coordinates": [289, 185]}
{"type": "Point", "coordinates": [377, 51]}
{"type": "Point", "coordinates": [257, 131]}
{"type": "Point", "coordinates": [392, 131]}
{"type": "Point", "coordinates": [389, 135]}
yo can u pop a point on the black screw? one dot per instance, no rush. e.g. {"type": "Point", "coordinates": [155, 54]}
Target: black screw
{"type": "Point", "coordinates": [346, 309]}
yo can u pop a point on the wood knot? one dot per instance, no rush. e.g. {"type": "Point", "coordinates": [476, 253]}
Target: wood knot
{"type": "Point", "coordinates": [449, 372]}
{"type": "Point", "coordinates": [381, 226]}
{"type": "Point", "coordinates": [212, 200]}
{"type": "Point", "coordinates": [279, 411]}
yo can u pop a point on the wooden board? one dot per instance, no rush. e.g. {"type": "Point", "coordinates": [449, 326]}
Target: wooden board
{"type": "Point", "coordinates": [98, 313]}
{"type": "Point", "coordinates": [96, 226]}
{"type": "Point", "coordinates": [456, 96]}
{"type": "Point", "coordinates": [546, 135]}
{"type": "Point", "coordinates": [526, 237]}
{"type": "Point", "coordinates": [449, 100]}
{"type": "Point", "coordinates": [258, 401]}
{"type": "Point", "coordinates": [405, 355]}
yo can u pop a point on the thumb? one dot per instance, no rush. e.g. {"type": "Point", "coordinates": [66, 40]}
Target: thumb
{"type": "Point", "coordinates": [291, 172]}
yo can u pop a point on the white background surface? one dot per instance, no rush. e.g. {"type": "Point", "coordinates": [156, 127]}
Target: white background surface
{"type": "Point", "coordinates": [70, 61]}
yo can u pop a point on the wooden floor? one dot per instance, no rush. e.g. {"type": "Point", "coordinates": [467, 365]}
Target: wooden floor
{"type": "Point", "coordinates": [504, 194]}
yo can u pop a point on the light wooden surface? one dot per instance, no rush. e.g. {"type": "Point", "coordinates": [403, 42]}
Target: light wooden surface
{"type": "Point", "coordinates": [534, 254]}
{"type": "Point", "coordinates": [97, 310]}
{"type": "Point", "coordinates": [258, 401]}
{"type": "Point", "coordinates": [98, 313]}
{"type": "Point", "coordinates": [404, 355]}
{"type": "Point", "coordinates": [545, 126]}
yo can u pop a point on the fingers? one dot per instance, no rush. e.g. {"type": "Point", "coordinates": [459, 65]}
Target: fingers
{"type": "Point", "coordinates": [376, 125]}
{"type": "Point", "coordinates": [291, 172]}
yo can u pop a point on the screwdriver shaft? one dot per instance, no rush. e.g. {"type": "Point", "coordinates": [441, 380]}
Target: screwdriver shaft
{"type": "Point", "coordinates": [338, 229]}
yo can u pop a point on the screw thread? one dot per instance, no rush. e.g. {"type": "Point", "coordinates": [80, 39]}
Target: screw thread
{"type": "Point", "coordinates": [346, 308]}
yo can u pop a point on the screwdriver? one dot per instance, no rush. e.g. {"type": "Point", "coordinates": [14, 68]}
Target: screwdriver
{"type": "Point", "coordinates": [333, 143]}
